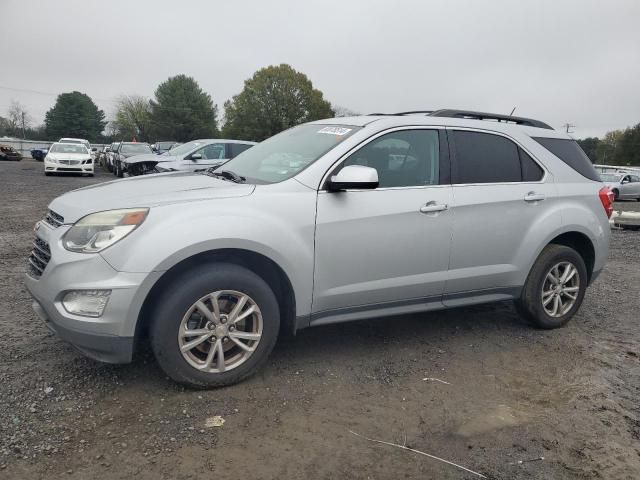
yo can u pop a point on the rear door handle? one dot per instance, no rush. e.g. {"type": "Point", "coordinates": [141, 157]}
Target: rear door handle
{"type": "Point", "coordinates": [533, 197]}
{"type": "Point", "coordinates": [433, 207]}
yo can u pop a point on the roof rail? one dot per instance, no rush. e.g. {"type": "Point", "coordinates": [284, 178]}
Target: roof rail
{"type": "Point", "coordinates": [529, 122]}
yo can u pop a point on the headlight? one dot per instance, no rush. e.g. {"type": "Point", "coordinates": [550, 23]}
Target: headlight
{"type": "Point", "coordinates": [97, 231]}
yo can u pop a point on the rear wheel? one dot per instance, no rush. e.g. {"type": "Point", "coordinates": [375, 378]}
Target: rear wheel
{"type": "Point", "coordinates": [555, 287]}
{"type": "Point", "coordinates": [215, 326]}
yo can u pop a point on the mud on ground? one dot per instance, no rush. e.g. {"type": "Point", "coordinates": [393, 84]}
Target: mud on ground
{"type": "Point", "coordinates": [513, 394]}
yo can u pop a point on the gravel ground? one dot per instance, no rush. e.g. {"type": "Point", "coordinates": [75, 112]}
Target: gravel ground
{"type": "Point", "coordinates": [513, 394]}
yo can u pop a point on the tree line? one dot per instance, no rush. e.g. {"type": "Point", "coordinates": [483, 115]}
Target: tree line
{"type": "Point", "coordinates": [618, 147]}
{"type": "Point", "coordinates": [273, 99]}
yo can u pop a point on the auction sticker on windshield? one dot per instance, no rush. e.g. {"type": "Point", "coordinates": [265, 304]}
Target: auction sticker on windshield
{"type": "Point", "coordinates": [340, 131]}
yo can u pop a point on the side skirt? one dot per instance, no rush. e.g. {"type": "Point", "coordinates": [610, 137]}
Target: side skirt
{"type": "Point", "coordinates": [403, 307]}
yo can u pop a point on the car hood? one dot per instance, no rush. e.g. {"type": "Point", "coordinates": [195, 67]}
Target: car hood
{"type": "Point", "coordinates": [182, 166]}
{"type": "Point", "coordinates": [151, 157]}
{"type": "Point", "coordinates": [68, 156]}
{"type": "Point", "coordinates": [612, 184]}
{"type": "Point", "coordinates": [145, 191]}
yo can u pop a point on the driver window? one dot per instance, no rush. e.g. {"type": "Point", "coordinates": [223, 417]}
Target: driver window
{"type": "Point", "coordinates": [214, 151]}
{"type": "Point", "coordinates": [405, 158]}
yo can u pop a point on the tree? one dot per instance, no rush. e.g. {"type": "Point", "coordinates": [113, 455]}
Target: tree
{"type": "Point", "coordinates": [274, 99]}
{"type": "Point", "coordinates": [590, 146]}
{"type": "Point", "coordinates": [133, 118]}
{"type": "Point", "coordinates": [182, 111]}
{"type": "Point", "coordinates": [75, 115]}
{"type": "Point", "coordinates": [607, 149]}
{"type": "Point", "coordinates": [19, 119]}
{"type": "Point", "coordinates": [5, 127]}
{"type": "Point", "coordinates": [628, 147]}
{"type": "Point", "coordinates": [339, 111]}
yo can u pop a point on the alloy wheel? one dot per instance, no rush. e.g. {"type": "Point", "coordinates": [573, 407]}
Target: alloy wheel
{"type": "Point", "coordinates": [560, 289]}
{"type": "Point", "coordinates": [220, 331]}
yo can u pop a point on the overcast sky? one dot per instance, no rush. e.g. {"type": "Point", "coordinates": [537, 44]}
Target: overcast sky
{"type": "Point", "coordinates": [560, 61]}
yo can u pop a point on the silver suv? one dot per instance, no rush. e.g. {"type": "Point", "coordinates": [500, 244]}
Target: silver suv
{"type": "Point", "coordinates": [331, 221]}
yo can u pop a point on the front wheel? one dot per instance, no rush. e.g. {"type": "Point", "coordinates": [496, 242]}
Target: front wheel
{"type": "Point", "coordinates": [616, 195]}
{"type": "Point", "coordinates": [555, 287]}
{"type": "Point", "coordinates": [215, 326]}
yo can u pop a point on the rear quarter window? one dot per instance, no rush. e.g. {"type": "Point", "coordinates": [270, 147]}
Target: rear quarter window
{"type": "Point", "coordinates": [570, 153]}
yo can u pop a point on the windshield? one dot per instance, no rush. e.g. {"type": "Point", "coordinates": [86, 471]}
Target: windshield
{"type": "Point", "coordinates": [187, 147]}
{"type": "Point", "coordinates": [136, 148]}
{"type": "Point", "coordinates": [68, 148]}
{"type": "Point", "coordinates": [610, 177]}
{"type": "Point", "coordinates": [284, 155]}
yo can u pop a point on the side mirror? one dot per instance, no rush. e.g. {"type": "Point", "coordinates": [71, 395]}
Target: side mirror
{"type": "Point", "coordinates": [94, 149]}
{"type": "Point", "coordinates": [354, 177]}
{"type": "Point", "coordinates": [626, 180]}
{"type": "Point", "coordinates": [196, 157]}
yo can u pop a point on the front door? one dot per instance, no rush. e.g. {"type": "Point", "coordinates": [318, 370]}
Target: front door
{"type": "Point", "coordinates": [387, 247]}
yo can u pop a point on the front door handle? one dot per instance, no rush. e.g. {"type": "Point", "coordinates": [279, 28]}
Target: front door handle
{"type": "Point", "coordinates": [533, 197]}
{"type": "Point", "coordinates": [433, 207]}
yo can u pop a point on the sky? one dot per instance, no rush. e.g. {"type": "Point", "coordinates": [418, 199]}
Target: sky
{"type": "Point", "coordinates": [560, 61]}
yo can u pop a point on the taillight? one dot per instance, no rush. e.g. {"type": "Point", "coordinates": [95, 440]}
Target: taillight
{"type": "Point", "coordinates": [606, 197]}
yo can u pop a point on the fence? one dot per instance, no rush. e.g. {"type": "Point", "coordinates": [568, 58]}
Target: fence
{"type": "Point", "coordinates": [25, 146]}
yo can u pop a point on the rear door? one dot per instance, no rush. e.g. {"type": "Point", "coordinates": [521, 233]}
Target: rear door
{"type": "Point", "coordinates": [386, 248]}
{"type": "Point", "coordinates": [499, 193]}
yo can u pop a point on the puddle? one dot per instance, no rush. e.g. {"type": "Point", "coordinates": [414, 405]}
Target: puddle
{"type": "Point", "coordinates": [500, 417]}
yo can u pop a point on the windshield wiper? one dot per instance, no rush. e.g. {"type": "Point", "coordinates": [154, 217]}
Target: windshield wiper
{"type": "Point", "coordinates": [227, 175]}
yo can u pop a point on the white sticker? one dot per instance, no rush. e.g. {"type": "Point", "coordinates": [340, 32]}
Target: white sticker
{"type": "Point", "coordinates": [335, 130]}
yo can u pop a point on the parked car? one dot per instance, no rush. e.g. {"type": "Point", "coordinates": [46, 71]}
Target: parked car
{"type": "Point", "coordinates": [163, 147]}
{"type": "Point", "coordinates": [194, 156]}
{"type": "Point", "coordinates": [623, 186]}
{"type": "Point", "coordinates": [9, 153]}
{"type": "Point", "coordinates": [68, 158]}
{"type": "Point", "coordinates": [92, 150]}
{"type": "Point", "coordinates": [110, 155]}
{"type": "Point", "coordinates": [331, 221]}
{"type": "Point", "coordinates": [39, 153]}
{"type": "Point", "coordinates": [102, 155]}
{"type": "Point", "coordinates": [126, 150]}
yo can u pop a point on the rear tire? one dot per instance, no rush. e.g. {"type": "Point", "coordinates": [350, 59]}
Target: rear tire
{"type": "Point", "coordinates": [538, 297]}
{"type": "Point", "coordinates": [176, 306]}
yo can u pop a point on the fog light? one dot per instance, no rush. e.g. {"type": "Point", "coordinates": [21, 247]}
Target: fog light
{"type": "Point", "coordinates": [88, 303]}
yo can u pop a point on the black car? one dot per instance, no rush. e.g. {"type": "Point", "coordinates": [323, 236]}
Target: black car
{"type": "Point", "coordinates": [125, 150]}
{"type": "Point", "coordinates": [9, 153]}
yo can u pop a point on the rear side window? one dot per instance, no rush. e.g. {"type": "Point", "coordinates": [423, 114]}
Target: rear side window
{"type": "Point", "coordinates": [531, 171]}
{"type": "Point", "coordinates": [485, 158]}
{"type": "Point", "coordinates": [570, 153]}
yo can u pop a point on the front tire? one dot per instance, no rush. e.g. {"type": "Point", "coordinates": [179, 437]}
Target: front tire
{"type": "Point", "coordinates": [555, 287]}
{"type": "Point", "coordinates": [616, 195]}
{"type": "Point", "coordinates": [214, 326]}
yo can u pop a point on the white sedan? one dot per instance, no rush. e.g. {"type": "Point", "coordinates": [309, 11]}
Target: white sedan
{"type": "Point", "coordinates": [68, 158]}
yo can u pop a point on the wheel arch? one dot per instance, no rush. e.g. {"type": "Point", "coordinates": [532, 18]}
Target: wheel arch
{"type": "Point", "coordinates": [582, 244]}
{"type": "Point", "coordinates": [265, 267]}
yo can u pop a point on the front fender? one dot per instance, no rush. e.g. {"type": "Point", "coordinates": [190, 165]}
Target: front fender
{"type": "Point", "coordinates": [254, 224]}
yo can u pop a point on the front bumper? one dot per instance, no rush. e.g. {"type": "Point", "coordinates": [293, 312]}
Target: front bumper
{"type": "Point", "coordinates": [63, 168]}
{"type": "Point", "coordinates": [108, 338]}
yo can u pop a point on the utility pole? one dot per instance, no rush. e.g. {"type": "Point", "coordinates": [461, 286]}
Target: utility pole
{"type": "Point", "coordinates": [23, 135]}
{"type": "Point", "coordinates": [567, 126]}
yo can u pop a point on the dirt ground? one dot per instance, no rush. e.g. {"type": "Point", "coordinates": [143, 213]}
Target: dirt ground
{"type": "Point", "coordinates": [512, 395]}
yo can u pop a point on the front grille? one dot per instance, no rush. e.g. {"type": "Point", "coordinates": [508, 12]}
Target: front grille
{"type": "Point", "coordinates": [54, 219]}
{"type": "Point", "coordinates": [69, 162]}
{"type": "Point", "coordinates": [39, 258]}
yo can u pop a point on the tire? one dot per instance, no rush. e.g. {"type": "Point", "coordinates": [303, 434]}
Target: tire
{"type": "Point", "coordinates": [48, 174]}
{"type": "Point", "coordinates": [530, 304]}
{"type": "Point", "coordinates": [616, 194]}
{"type": "Point", "coordinates": [179, 299]}
{"type": "Point", "coordinates": [118, 170]}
